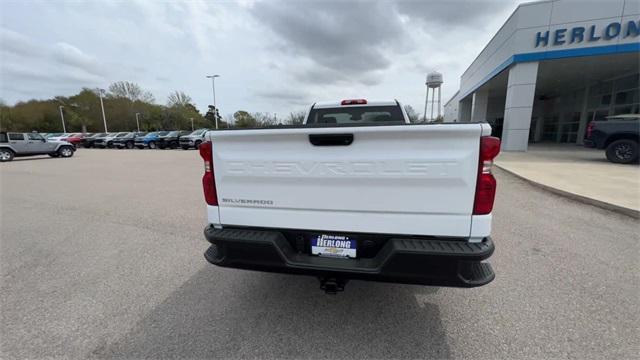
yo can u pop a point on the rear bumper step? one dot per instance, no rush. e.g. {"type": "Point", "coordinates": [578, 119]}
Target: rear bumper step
{"type": "Point", "coordinates": [401, 260]}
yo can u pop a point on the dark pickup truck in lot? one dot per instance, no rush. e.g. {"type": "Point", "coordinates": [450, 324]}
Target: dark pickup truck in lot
{"type": "Point", "coordinates": [172, 139]}
{"type": "Point", "coordinates": [618, 135]}
{"type": "Point", "coordinates": [128, 140]}
{"type": "Point", "coordinates": [89, 141]}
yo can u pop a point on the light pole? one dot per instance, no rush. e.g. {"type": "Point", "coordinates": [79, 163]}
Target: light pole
{"type": "Point", "coordinates": [213, 86]}
{"type": "Point", "coordinates": [191, 123]}
{"type": "Point", "coordinates": [138, 121]}
{"type": "Point", "coordinates": [426, 100]}
{"type": "Point", "coordinates": [64, 128]}
{"type": "Point", "coordinates": [104, 118]}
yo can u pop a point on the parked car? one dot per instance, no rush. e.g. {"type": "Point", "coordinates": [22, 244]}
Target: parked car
{"type": "Point", "coordinates": [171, 140]}
{"type": "Point", "coordinates": [75, 138]}
{"type": "Point", "coordinates": [127, 141]}
{"type": "Point", "coordinates": [618, 135]}
{"type": "Point", "coordinates": [150, 140]}
{"type": "Point", "coordinates": [57, 136]}
{"type": "Point", "coordinates": [107, 141]}
{"type": "Point", "coordinates": [357, 193]}
{"type": "Point", "coordinates": [88, 141]}
{"type": "Point", "coordinates": [14, 144]}
{"type": "Point", "coordinates": [193, 140]}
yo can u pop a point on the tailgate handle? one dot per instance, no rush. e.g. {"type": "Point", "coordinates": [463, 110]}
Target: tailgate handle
{"type": "Point", "coordinates": [331, 139]}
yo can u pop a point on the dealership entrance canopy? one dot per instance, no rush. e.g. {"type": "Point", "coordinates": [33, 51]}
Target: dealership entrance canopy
{"type": "Point", "coordinates": [553, 67]}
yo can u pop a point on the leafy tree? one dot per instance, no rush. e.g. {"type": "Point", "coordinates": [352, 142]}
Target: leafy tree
{"type": "Point", "coordinates": [178, 99]}
{"type": "Point", "coordinates": [131, 91]}
{"type": "Point", "coordinates": [412, 114]}
{"type": "Point", "coordinates": [6, 120]}
{"type": "Point", "coordinates": [264, 119]}
{"type": "Point", "coordinates": [296, 118]}
{"type": "Point", "coordinates": [243, 119]}
{"type": "Point", "coordinates": [211, 116]}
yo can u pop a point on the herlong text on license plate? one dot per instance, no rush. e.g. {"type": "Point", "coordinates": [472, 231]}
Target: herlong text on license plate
{"type": "Point", "coordinates": [334, 246]}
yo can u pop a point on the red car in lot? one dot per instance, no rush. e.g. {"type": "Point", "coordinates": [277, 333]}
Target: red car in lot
{"type": "Point", "coordinates": [75, 138]}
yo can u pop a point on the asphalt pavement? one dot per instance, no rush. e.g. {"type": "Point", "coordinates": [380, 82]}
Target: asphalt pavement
{"type": "Point", "coordinates": [101, 257]}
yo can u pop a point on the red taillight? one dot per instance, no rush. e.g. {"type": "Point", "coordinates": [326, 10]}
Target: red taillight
{"type": "Point", "coordinates": [208, 179]}
{"type": "Point", "coordinates": [486, 184]}
{"type": "Point", "coordinates": [589, 129]}
{"type": "Point", "coordinates": [354, 102]}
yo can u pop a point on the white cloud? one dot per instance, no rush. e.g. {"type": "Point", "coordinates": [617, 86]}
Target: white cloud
{"type": "Point", "coordinates": [273, 56]}
{"type": "Point", "coordinates": [73, 57]}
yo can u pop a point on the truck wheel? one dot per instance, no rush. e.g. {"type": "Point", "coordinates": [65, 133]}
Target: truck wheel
{"type": "Point", "coordinates": [198, 142]}
{"type": "Point", "coordinates": [6, 155]}
{"type": "Point", "coordinates": [65, 151]}
{"type": "Point", "coordinates": [623, 151]}
{"type": "Point", "coordinates": [152, 145]}
{"type": "Point", "coordinates": [129, 145]}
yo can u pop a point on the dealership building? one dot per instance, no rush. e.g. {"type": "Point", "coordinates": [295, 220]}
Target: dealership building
{"type": "Point", "coordinates": [551, 68]}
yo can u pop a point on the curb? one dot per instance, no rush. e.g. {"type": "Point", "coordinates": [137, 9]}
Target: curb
{"type": "Point", "coordinates": [583, 199]}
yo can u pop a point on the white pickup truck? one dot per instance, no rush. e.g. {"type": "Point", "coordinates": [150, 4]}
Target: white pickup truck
{"type": "Point", "coordinates": [356, 192]}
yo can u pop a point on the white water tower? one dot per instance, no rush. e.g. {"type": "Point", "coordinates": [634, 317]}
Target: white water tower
{"type": "Point", "coordinates": [434, 81]}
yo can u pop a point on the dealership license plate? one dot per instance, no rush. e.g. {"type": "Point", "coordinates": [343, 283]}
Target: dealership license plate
{"type": "Point", "coordinates": [333, 246]}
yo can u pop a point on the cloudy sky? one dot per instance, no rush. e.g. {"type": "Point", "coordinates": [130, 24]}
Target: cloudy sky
{"type": "Point", "coordinates": [273, 56]}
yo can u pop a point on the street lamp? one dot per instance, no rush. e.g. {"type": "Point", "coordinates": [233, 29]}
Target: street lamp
{"type": "Point", "coordinates": [64, 128]}
{"type": "Point", "coordinates": [426, 101]}
{"type": "Point", "coordinates": [138, 121]}
{"type": "Point", "coordinates": [213, 85]}
{"type": "Point", "coordinates": [104, 118]}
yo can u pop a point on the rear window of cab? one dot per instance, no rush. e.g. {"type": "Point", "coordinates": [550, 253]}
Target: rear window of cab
{"type": "Point", "coordinates": [353, 115]}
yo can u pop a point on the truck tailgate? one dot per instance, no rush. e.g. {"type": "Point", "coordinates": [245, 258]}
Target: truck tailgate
{"type": "Point", "coordinates": [406, 179]}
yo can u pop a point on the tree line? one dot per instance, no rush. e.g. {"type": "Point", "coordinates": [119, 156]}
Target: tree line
{"type": "Point", "coordinates": [122, 101]}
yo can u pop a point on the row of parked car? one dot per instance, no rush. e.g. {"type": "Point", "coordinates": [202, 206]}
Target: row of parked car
{"type": "Point", "coordinates": [129, 140]}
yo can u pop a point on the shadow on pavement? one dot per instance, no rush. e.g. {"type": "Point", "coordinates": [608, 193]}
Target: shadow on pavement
{"type": "Point", "coordinates": [30, 158]}
{"type": "Point", "coordinates": [252, 314]}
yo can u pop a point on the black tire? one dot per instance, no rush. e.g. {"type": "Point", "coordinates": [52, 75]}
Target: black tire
{"type": "Point", "coordinates": [65, 151]}
{"type": "Point", "coordinates": [173, 145]}
{"type": "Point", "coordinates": [197, 144]}
{"type": "Point", "coordinates": [185, 147]}
{"type": "Point", "coordinates": [152, 145]}
{"type": "Point", "coordinates": [624, 151]}
{"type": "Point", "coordinates": [140, 146]}
{"type": "Point", "coordinates": [87, 146]}
{"type": "Point", "coordinates": [129, 145]}
{"type": "Point", "coordinates": [6, 155]}
{"type": "Point", "coordinates": [110, 145]}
